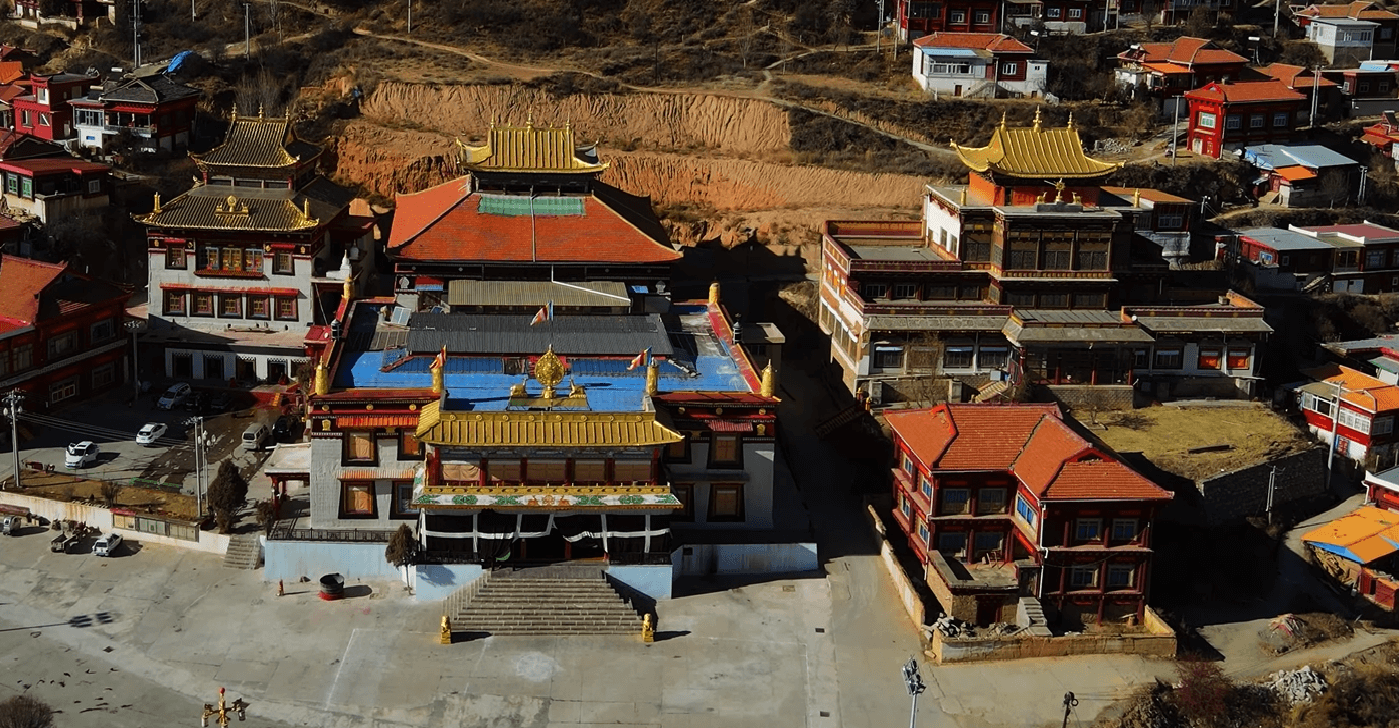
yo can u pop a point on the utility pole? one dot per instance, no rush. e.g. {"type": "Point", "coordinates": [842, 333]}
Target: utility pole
{"type": "Point", "coordinates": [199, 454]}
{"type": "Point", "coordinates": [192, 16]}
{"type": "Point", "coordinates": [878, 26]}
{"type": "Point", "coordinates": [410, 17]}
{"type": "Point", "coordinates": [1277, 13]}
{"type": "Point", "coordinates": [914, 682]}
{"type": "Point", "coordinates": [1175, 132]}
{"type": "Point", "coordinates": [1316, 82]}
{"type": "Point", "coordinates": [247, 33]}
{"type": "Point", "coordinates": [135, 326]}
{"type": "Point", "coordinates": [1360, 197]}
{"type": "Point", "coordinates": [136, 33]}
{"type": "Point", "coordinates": [1069, 703]}
{"type": "Point", "coordinates": [12, 409]}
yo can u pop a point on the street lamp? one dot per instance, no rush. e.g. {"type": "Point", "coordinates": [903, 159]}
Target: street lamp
{"type": "Point", "coordinates": [220, 714]}
{"type": "Point", "coordinates": [201, 452]}
{"type": "Point", "coordinates": [13, 410]}
{"type": "Point", "coordinates": [914, 682]}
{"type": "Point", "coordinates": [135, 326]}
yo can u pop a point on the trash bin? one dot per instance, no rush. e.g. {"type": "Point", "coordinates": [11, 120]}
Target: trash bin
{"type": "Point", "coordinates": [332, 587]}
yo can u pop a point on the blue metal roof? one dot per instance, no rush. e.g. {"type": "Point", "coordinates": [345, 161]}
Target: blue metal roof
{"type": "Point", "coordinates": [1312, 156]}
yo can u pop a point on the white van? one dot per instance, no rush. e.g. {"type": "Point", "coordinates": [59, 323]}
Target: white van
{"type": "Point", "coordinates": [254, 436]}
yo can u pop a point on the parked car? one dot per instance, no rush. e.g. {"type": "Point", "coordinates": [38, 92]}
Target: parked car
{"type": "Point", "coordinates": [107, 545]}
{"type": "Point", "coordinates": [221, 402]}
{"type": "Point", "coordinates": [10, 525]}
{"type": "Point", "coordinates": [150, 432]}
{"type": "Point", "coordinates": [284, 429]}
{"type": "Point", "coordinates": [196, 401]}
{"type": "Point", "coordinates": [255, 436]}
{"type": "Point", "coordinates": [81, 454]}
{"type": "Point", "coordinates": [173, 396]}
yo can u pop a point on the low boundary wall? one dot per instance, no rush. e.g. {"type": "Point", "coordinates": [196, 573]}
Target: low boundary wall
{"type": "Point", "coordinates": [101, 519]}
{"type": "Point", "coordinates": [908, 595]}
{"type": "Point", "coordinates": [1157, 640]}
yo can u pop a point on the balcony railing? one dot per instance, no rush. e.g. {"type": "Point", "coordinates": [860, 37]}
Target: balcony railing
{"type": "Point", "coordinates": [287, 533]}
{"type": "Point", "coordinates": [138, 130]}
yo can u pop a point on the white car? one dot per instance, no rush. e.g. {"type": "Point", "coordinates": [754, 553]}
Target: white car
{"type": "Point", "coordinates": [107, 545]}
{"type": "Point", "coordinates": [173, 396]}
{"type": "Point", "coordinates": [150, 432]}
{"type": "Point", "coordinates": [81, 454]}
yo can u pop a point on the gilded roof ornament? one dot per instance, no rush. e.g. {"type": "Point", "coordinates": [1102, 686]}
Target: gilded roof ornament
{"type": "Point", "coordinates": [156, 209]}
{"type": "Point", "coordinates": [1037, 118]}
{"type": "Point", "coordinates": [1071, 120]}
{"type": "Point", "coordinates": [549, 371]}
{"type": "Point", "coordinates": [1003, 119]}
{"type": "Point", "coordinates": [231, 206]}
{"type": "Point", "coordinates": [259, 112]}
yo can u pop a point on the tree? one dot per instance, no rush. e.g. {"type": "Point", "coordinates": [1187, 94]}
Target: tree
{"type": "Point", "coordinates": [266, 512]}
{"type": "Point", "coordinates": [25, 711]}
{"type": "Point", "coordinates": [1302, 53]}
{"type": "Point", "coordinates": [1334, 187]}
{"type": "Point", "coordinates": [1199, 24]}
{"type": "Point", "coordinates": [401, 546]}
{"type": "Point", "coordinates": [110, 490]}
{"type": "Point", "coordinates": [227, 493]}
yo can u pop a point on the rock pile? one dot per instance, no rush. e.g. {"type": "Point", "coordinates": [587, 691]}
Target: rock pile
{"type": "Point", "coordinates": [952, 627]}
{"type": "Point", "coordinates": [1298, 686]}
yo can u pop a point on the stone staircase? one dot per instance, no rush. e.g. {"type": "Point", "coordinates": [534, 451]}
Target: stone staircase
{"type": "Point", "coordinates": [989, 391]}
{"type": "Point", "coordinates": [244, 552]}
{"type": "Point", "coordinates": [534, 602]}
{"type": "Point", "coordinates": [1030, 615]}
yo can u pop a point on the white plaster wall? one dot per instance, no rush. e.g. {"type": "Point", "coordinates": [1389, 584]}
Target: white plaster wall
{"type": "Point", "coordinates": [325, 485]}
{"type": "Point", "coordinates": [757, 490]}
{"type": "Point", "coordinates": [939, 220]}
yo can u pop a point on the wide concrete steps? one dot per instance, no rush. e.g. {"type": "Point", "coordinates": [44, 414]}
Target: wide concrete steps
{"type": "Point", "coordinates": [244, 552]}
{"type": "Point", "coordinates": [547, 606]}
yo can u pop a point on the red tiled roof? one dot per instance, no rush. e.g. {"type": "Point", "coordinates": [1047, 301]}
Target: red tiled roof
{"type": "Point", "coordinates": [1031, 441]}
{"type": "Point", "coordinates": [1360, 9]}
{"type": "Point", "coordinates": [23, 280]}
{"type": "Point", "coordinates": [994, 42]}
{"type": "Point", "coordinates": [1184, 50]}
{"type": "Point", "coordinates": [1242, 93]}
{"type": "Point", "coordinates": [11, 71]}
{"type": "Point", "coordinates": [1292, 76]}
{"type": "Point", "coordinates": [53, 164]}
{"type": "Point", "coordinates": [446, 223]}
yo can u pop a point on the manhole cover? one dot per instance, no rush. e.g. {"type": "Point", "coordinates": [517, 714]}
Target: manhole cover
{"type": "Point", "coordinates": [789, 587]}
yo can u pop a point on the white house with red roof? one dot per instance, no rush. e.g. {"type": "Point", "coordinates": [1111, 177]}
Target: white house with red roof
{"type": "Point", "coordinates": [1385, 23]}
{"type": "Point", "coordinates": [1009, 504]}
{"type": "Point", "coordinates": [978, 65]}
{"type": "Point", "coordinates": [530, 209]}
{"type": "Point", "coordinates": [1165, 71]}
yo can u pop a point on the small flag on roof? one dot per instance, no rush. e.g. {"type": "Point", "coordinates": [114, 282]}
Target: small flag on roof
{"type": "Point", "coordinates": [642, 359]}
{"type": "Point", "coordinates": [440, 360]}
{"type": "Point", "coordinates": [546, 313]}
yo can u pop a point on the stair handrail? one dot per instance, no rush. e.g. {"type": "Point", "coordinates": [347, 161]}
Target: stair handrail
{"type": "Point", "coordinates": [457, 600]}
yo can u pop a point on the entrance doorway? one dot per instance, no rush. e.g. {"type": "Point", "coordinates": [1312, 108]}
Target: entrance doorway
{"type": "Point", "coordinates": [552, 548]}
{"type": "Point", "coordinates": [247, 370]}
{"type": "Point", "coordinates": [182, 366]}
{"type": "Point", "coordinates": [213, 367]}
{"type": "Point", "coordinates": [276, 371]}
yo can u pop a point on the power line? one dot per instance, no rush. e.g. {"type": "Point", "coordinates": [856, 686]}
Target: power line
{"type": "Point", "coordinates": [94, 430]}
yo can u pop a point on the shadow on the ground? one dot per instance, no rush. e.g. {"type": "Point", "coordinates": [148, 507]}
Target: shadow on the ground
{"type": "Point", "coordinates": [688, 586]}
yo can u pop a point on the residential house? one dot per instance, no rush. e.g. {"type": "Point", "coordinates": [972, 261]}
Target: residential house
{"type": "Point", "coordinates": [1176, 12]}
{"type": "Point", "coordinates": [1227, 116]}
{"type": "Point", "coordinates": [1165, 219]}
{"type": "Point", "coordinates": [1163, 72]}
{"type": "Point", "coordinates": [977, 65]}
{"type": "Point", "coordinates": [1354, 258]}
{"type": "Point", "coordinates": [1369, 90]}
{"type": "Point", "coordinates": [61, 336]}
{"type": "Point", "coordinates": [250, 257]}
{"type": "Point", "coordinates": [54, 188]}
{"type": "Point", "coordinates": [1330, 98]}
{"type": "Point", "coordinates": [154, 112]}
{"type": "Point", "coordinates": [530, 209]}
{"type": "Point", "coordinates": [1343, 41]}
{"type": "Point", "coordinates": [1386, 23]}
{"type": "Point", "coordinates": [917, 18]}
{"type": "Point", "coordinates": [1009, 503]}
{"type": "Point", "coordinates": [1360, 550]}
{"type": "Point", "coordinates": [1350, 411]}
{"type": "Point", "coordinates": [1383, 135]}
{"type": "Point", "coordinates": [44, 112]}
{"type": "Point", "coordinates": [1303, 175]}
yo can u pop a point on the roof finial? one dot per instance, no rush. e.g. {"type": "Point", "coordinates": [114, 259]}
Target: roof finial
{"type": "Point", "coordinates": [1137, 198]}
{"type": "Point", "coordinates": [157, 203]}
{"type": "Point", "coordinates": [529, 120]}
{"type": "Point", "coordinates": [1037, 118]}
{"type": "Point", "coordinates": [1003, 119]}
{"type": "Point", "coordinates": [1071, 120]}
{"type": "Point", "coordinates": [235, 112]}
{"type": "Point", "coordinates": [259, 112]}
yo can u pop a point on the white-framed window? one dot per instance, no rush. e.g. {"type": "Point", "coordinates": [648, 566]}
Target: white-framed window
{"type": "Point", "coordinates": [922, 532]}
{"type": "Point", "coordinates": [1083, 577]}
{"type": "Point", "coordinates": [982, 16]}
{"type": "Point", "coordinates": [1206, 119]}
{"type": "Point", "coordinates": [888, 357]}
{"type": "Point", "coordinates": [43, 95]}
{"type": "Point", "coordinates": [874, 290]}
{"type": "Point", "coordinates": [908, 465]}
{"type": "Point", "coordinates": [905, 290]}
{"type": "Point", "coordinates": [1170, 222]}
{"type": "Point", "coordinates": [1122, 576]}
{"type": "Point", "coordinates": [1255, 121]}
{"type": "Point", "coordinates": [1319, 405]}
{"type": "Point", "coordinates": [1382, 425]}
{"type": "Point", "coordinates": [63, 389]}
{"type": "Point", "coordinates": [1124, 529]}
{"type": "Point", "coordinates": [1350, 419]}
{"type": "Point", "coordinates": [957, 16]}
{"type": "Point", "coordinates": [951, 69]}
{"type": "Point", "coordinates": [94, 186]}
{"type": "Point", "coordinates": [1025, 510]}
{"type": "Point", "coordinates": [1053, 12]}
{"type": "Point", "coordinates": [1088, 529]}
{"type": "Point", "coordinates": [1075, 12]}
{"type": "Point", "coordinates": [1010, 69]}
{"type": "Point", "coordinates": [926, 486]}
{"type": "Point", "coordinates": [1232, 121]}
{"type": "Point", "coordinates": [904, 507]}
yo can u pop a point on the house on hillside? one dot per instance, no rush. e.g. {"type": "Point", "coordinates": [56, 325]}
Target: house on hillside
{"type": "Point", "coordinates": [61, 336]}
{"type": "Point", "coordinates": [1353, 258]}
{"type": "Point", "coordinates": [1227, 116]}
{"type": "Point", "coordinates": [1360, 550]}
{"type": "Point", "coordinates": [1343, 41]}
{"type": "Point", "coordinates": [1350, 411]}
{"type": "Point", "coordinates": [917, 18]}
{"type": "Point", "coordinates": [1370, 90]}
{"type": "Point", "coordinates": [1303, 175]}
{"type": "Point", "coordinates": [1009, 504]}
{"type": "Point", "coordinates": [1386, 31]}
{"type": "Point", "coordinates": [44, 110]}
{"type": "Point", "coordinates": [1163, 72]}
{"type": "Point", "coordinates": [977, 65]}
{"type": "Point", "coordinates": [53, 188]}
{"type": "Point", "coordinates": [155, 112]}
{"type": "Point", "coordinates": [1330, 99]}
{"type": "Point", "coordinates": [1383, 135]}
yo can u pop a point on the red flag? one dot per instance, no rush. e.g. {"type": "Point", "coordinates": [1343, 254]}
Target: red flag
{"type": "Point", "coordinates": [440, 360]}
{"type": "Point", "coordinates": [641, 359]}
{"type": "Point", "coordinates": [540, 317]}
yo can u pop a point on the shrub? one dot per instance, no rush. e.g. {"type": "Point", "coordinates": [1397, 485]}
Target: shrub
{"type": "Point", "coordinates": [227, 493]}
{"type": "Point", "coordinates": [25, 711]}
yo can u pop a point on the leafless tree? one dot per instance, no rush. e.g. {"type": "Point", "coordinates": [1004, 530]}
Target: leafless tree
{"type": "Point", "coordinates": [111, 490]}
{"type": "Point", "coordinates": [1334, 186]}
{"type": "Point", "coordinates": [25, 711]}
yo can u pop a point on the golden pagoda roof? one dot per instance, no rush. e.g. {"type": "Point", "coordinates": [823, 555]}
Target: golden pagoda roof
{"type": "Point", "coordinates": [531, 148]}
{"type": "Point", "coordinates": [557, 429]}
{"type": "Point", "coordinates": [1034, 151]}
{"type": "Point", "coordinates": [209, 207]}
{"type": "Point", "coordinates": [258, 141]}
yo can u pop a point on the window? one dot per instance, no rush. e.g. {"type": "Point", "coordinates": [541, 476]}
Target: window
{"type": "Point", "coordinates": [725, 450]}
{"type": "Point", "coordinates": [923, 532]}
{"type": "Point", "coordinates": [547, 471]}
{"type": "Point", "coordinates": [94, 186]}
{"type": "Point", "coordinates": [1054, 300]}
{"type": "Point", "coordinates": [26, 187]}
{"type": "Point", "coordinates": [1238, 358]}
{"type": "Point", "coordinates": [401, 507]}
{"type": "Point", "coordinates": [504, 471]}
{"type": "Point", "coordinates": [282, 262]}
{"type": "Point", "coordinates": [1075, 12]}
{"type": "Point", "coordinates": [969, 293]}
{"type": "Point", "coordinates": [230, 306]}
{"type": "Point", "coordinates": [252, 260]}
{"type": "Point", "coordinates": [685, 493]}
{"type": "Point", "coordinates": [359, 447]}
{"type": "Point", "coordinates": [1025, 510]}
{"type": "Point", "coordinates": [982, 16]}
{"type": "Point", "coordinates": [1316, 404]}
{"type": "Point", "coordinates": [957, 16]}
{"type": "Point", "coordinates": [904, 506]}
{"type": "Point", "coordinates": [258, 307]}
{"type": "Point", "coordinates": [1053, 12]}
{"type": "Point", "coordinates": [951, 69]}
{"type": "Point", "coordinates": [888, 357]}
{"type": "Point", "coordinates": [286, 309]}
{"type": "Point", "coordinates": [1382, 426]}
{"type": "Point", "coordinates": [590, 471]}
{"type": "Point", "coordinates": [203, 304]}
{"type": "Point", "coordinates": [104, 375]}
{"type": "Point", "coordinates": [211, 258]}
{"type": "Point", "coordinates": [232, 259]}
{"type": "Point", "coordinates": [978, 251]}
{"type": "Point", "coordinates": [1233, 121]}
{"type": "Point", "coordinates": [1023, 256]}
{"type": "Point", "coordinates": [1206, 120]}
{"type": "Point", "coordinates": [925, 486]}
{"type": "Point", "coordinates": [101, 331]}
{"type": "Point", "coordinates": [65, 389]}
{"type": "Point", "coordinates": [922, 9]}
{"type": "Point", "coordinates": [1280, 119]}
{"type": "Point", "coordinates": [1255, 121]}
{"type": "Point", "coordinates": [409, 447]}
{"type": "Point", "coordinates": [175, 258]}
{"type": "Point", "coordinates": [907, 465]}
{"type": "Point", "coordinates": [1170, 222]}
{"type": "Point", "coordinates": [1083, 577]}
{"type": "Point", "coordinates": [990, 501]}
{"type": "Point", "coordinates": [1124, 529]}
{"type": "Point", "coordinates": [993, 357]}
{"type": "Point", "coordinates": [1121, 576]}
{"type": "Point", "coordinates": [1057, 256]}
{"type": "Point", "coordinates": [1352, 420]}
{"type": "Point", "coordinates": [726, 502]}
{"type": "Point", "coordinates": [1090, 300]}
{"type": "Point", "coordinates": [1168, 358]}
{"type": "Point", "coordinates": [1374, 259]}
{"type": "Point", "coordinates": [954, 501]}
{"type": "Point", "coordinates": [1093, 256]}
{"type": "Point", "coordinates": [631, 471]}
{"type": "Point", "coordinates": [678, 452]}
{"type": "Point", "coordinates": [873, 290]}
{"type": "Point", "coordinates": [905, 290]}
{"type": "Point", "coordinates": [1209, 358]}
{"type": "Point", "coordinates": [357, 499]}
{"type": "Point", "coordinates": [62, 344]}
{"type": "Point", "coordinates": [26, 119]}
{"type": "Point", "coordinates": [1009, 69]}
{"type": "Point", "coordinates": [1023, 300]}
{"type": "Point", "coordinates": [24, 357]}
{"type": "Point", "coordinates": [43, 95]}
{"type": "Point", "coordinates": [988, 544]}
{"type": "Point", "coordinates": [87, 117]}
{"type": "Point", "coordinates": [957, 357]}
{"type": "Point", "coordinates": [44, 119]}
{"type": "Point", "coordinates": [953, 545]}
{"type": "Point", "coordinates": [12, 187]}
{"type": "Point", "coordinates": [1088, 529]}
{"type": "Point", "coordinates": [1141, 358]}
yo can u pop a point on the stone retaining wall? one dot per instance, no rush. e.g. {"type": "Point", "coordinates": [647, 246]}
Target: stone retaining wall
{"type": "Point", "coordinates": [101, 519]}
{"type": "Point", "coordinates": [913, 604]}
{"type": "Point", "coordinates": [1231, 497]}
{"type": "Point", "coordinates": [1156, 640]}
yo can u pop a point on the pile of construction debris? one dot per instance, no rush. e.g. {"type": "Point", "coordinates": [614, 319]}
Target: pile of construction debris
{"type": "Point", "coordinates": [1298, 686]}
{"type": "Point", "coordinates": [950, 626]}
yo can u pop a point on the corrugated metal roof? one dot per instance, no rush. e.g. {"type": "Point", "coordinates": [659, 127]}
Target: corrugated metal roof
{"type": "Point", "coordinates": [537, 293]}
{"type": "Point", "coordinates": [1034, 152]}
{"type": "Point", "coordinates": [1176, 324]}
{"type": "Point", "coordinates": [1364, 535]}
{"type": "Point", "coordinates": [936, 323]}
{"type": "Point", "coordinates": [507, 334]}
{"type": "Point", "coordinates": [559, 429]}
